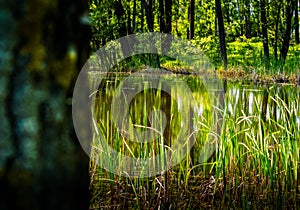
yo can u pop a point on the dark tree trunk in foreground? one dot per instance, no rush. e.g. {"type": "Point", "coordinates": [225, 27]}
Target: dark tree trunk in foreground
{"type": "Point", "coordinates": [287, 36]}
{"type": "Point", "coordinates": [264, 31]}
{"type": "Point", "coordinates": [43, 46]}
{"type": "Point", "coordinates": [192, 19]}
{"type": "Point", "coordinates": [221, 32]}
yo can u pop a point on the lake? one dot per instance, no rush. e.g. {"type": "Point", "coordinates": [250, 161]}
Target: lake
{"type": "Point", "coordinates": [182, 141]}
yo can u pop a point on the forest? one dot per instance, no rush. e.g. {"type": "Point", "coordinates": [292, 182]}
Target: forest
{"type": "Point", "coordinates": [236, 139]}
{"type": "Point", "coordinates": [251, 35]}
{"type": "Point", "coordinates": [77, 135]}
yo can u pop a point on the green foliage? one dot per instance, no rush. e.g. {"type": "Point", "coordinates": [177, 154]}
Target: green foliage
{"type": "Point", "coordinates": [110, 20]}
{"type": "Point", "coordinates": [244, 52]}
{"type": "Point", "coordinates": [103, 23]}
{"type": "Point", "coordinates": [210, 47]}
{"type": "Point", "coordinates": [248, 54]}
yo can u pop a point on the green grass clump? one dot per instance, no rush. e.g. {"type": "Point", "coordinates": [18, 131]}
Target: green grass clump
{"type": "Point", "coordinates": [255, 165]}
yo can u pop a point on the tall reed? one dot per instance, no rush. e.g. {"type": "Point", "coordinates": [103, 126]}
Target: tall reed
{"type": "Point", "coordinates": [255, 165]}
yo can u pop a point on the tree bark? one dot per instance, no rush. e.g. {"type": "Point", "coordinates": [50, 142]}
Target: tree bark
{"type": "Point", "coordinates": [129, 27]}
{"type": "Point", "coordinates": [276, 31]}
{"type": "Point", "coordinates": [148, 5]}
{"type": "Point", "coordinates": [162, 23]}
{"type": "Point", "coordinates": [142, 14]}
{"type": "Point", "coordinates": [287, 36]}
{"type": "Point", "coordinates": [165, 16]}
{"type": "Point", "coordinates": [264, 32]}
{"type": "Point", "coordinates": [241, 15]}
{"type": "Point", "coordinates": [248, 18]}
{"type": "Point", "coordinates": [123, 30]}
{"type": "Point", "coordinates": [192, 19]}
{"type": "Point", "coordinates": [41, 162]}
{"type": "Point", "coordinates": [168, 13]}
{"type": "Point", "coordinates": [153, 58]}
{"type": "Point", "coordinates": [120, 13]}
{"type": "Point", "coordinates": [227, 12]}
{"type": "Point", "coordinates": [134, 16]}
{"type": "Point", "coordinates": [221, 32]}
{"type": "Point", "coordinates": [277, 18]}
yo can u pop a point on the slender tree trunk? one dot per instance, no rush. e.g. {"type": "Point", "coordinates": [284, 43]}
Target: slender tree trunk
{"type": "Point", "coordinates": [166, 42]}
{"type": "Point", "coordinates": [168, 14]}
{"type": "Point", "coordinates": [241, 15]}
{"type": "Point", "coordinates": [165, 16]}
{"type": "Point", "coordinates": [129, 26]}
{"type": "Point", "coordinates": [148, 5]}
{"type": "Point", "coordinates": [177, 17]}
{"type": "Point", "coordinates": [227, 13]}
{"type": "Point", "coordinates": [142, 14]}
{"type": "Point", "coordinates": [297, 22]}
{"type": "Point", "coordinates": [120, 13]}
{"type": "Point", "coordinates": [286, 40]}
{"type": "Point", "coordinates": [192, 19]}
{"type": "Point", "coordinates": [153, 58]}
{"type": "Point", "coordinates": [276, 32]}
{"type": "Point", "coordinates": [264, 32]}
{"type": "Point", "coordinates": [221, 32]}
{"type": "Point", "coordinates": [162, 24]}
{"type": "Point", "coordinates": [123, 30]}
{"type": "Point", "coordinates": [134, 16]}
{"type": "Point", "coordinates": [248, 18]}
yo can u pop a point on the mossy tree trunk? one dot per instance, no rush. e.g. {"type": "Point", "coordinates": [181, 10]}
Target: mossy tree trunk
{"type": "Point", "coordinates": [43, 46]}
